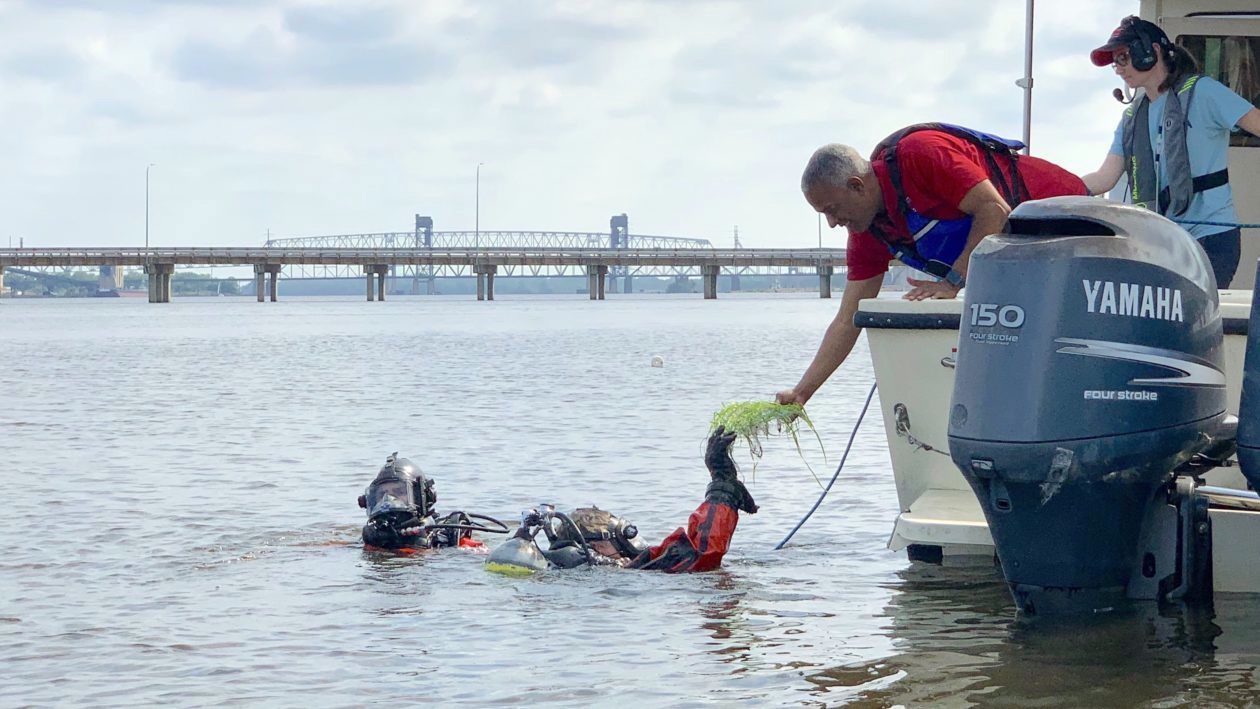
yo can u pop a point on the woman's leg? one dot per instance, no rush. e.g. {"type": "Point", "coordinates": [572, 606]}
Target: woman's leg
{"type": "Point", "coordinates": [1223, 250]}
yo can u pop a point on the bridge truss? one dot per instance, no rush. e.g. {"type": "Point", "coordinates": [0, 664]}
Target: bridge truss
{"type": "Point", "coordinates": [423, 238]}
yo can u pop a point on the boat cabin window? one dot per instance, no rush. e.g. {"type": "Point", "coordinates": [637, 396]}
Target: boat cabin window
{"type": "Point", "coordinates": [1233, 61]}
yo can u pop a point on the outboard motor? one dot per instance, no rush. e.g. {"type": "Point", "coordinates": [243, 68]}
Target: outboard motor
{"type": "Point", "coordinates": [1090, 365]}
{"type": "Point", "coordinates": [1249, 406]}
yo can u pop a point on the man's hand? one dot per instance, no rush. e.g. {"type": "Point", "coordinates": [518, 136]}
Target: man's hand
{"type": "Point", "coordinates": [717, 455]}
{"type": "Point", "coordinates": [790, 396]}
{"type": "Point", "coordinates": [929, 290]}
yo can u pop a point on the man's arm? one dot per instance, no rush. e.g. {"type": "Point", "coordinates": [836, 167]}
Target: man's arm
{"type": "Point", "coordinates": [1108, 174]}
{"type": "Point", "coordinates": [837, 342]}
{"type": "Point", "coordinates": [988, 215]}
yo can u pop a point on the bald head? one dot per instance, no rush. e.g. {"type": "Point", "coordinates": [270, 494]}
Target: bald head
{"type": "Point", "coordinates": [832, 165]}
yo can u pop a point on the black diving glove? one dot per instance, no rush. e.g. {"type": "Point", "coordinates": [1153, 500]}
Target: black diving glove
{"type": "Point", "coordinates": [726, 489]}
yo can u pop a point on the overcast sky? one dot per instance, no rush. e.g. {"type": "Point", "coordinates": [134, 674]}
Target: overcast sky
{"type": "Point", "coordinates": [311, 118]}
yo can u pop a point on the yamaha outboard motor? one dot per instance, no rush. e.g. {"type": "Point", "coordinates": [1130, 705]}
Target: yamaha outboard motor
{"type": "Point", "coordinates": [1090, 365]}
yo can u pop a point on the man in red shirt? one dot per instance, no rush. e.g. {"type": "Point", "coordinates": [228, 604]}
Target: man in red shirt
{"type": "Point", "coordinates": [929, 194]}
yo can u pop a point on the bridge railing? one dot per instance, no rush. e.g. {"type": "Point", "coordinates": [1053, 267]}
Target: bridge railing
{"type": "Point", "coordinates": [456, 239]}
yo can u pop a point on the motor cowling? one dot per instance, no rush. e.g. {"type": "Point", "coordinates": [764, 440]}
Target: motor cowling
{"type": "Point", "coordinates": [1090, 364]}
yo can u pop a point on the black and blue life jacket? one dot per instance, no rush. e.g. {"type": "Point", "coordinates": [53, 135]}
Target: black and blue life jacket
{"type": "Point", "coordinates": [1142, 164]}
{"type": "Point", "coordinates": [934, 245]}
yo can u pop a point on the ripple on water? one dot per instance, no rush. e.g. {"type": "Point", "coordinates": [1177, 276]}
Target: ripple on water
{"type": "Point", "coordinates": [204, 550]}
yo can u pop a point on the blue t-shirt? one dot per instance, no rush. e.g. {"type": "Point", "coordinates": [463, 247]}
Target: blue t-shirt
{"type": "Point", "coordinates": [1213, 112]}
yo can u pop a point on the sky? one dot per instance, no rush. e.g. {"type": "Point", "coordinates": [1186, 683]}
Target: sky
{"type": "Point", "coordinates": [302, 118]}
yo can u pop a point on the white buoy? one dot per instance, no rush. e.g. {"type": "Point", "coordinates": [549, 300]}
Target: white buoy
{"type": "Point", "coordinates": [658, 361]}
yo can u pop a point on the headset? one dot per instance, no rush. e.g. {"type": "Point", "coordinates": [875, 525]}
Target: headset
{"type": "Point", "coordinates": [1142, 55]}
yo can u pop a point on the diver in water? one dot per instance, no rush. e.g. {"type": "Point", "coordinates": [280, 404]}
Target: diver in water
{"type": "Point", "coordinates": [591, 536]}
{"type": "Point", "coordinates": [400, 505]}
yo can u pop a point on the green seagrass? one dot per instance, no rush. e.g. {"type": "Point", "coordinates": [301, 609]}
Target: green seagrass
{"type": "Point", "coordinates": [750, 421]}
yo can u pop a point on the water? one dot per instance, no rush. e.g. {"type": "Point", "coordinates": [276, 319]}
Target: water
{"type": "Point", "coordinates": [180, 524]}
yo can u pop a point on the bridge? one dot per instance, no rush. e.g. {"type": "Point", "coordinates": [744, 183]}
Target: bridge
{"type": "Point", "coordinates": [426, 255]}
{"type": "Point", "coordinates": [484, 263]}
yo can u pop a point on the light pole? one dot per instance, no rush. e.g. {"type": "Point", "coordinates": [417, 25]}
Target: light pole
{"type": "Point", "coordinates": [146, 206]}
{"type": "Point", "coordinates": [477, 215]}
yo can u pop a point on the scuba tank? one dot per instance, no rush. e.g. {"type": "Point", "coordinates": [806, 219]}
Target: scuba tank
{"type": "Point", "coordinates": [518, 556]}
{"type": "Point", "coordinates": [568, 540]}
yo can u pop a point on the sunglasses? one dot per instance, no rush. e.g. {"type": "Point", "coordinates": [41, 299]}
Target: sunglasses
{"type": "Point", "coordinates": [1120, 59]}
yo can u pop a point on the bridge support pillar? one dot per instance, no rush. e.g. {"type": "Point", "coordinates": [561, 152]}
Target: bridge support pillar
{"type": "Point", "coordinates": [596, 278]}
{"type": "Point", "coordinates": [1, 280]}
{"type": "Point", "coordinates": [273, 286]}
{"type": "Point", "coordinates": [627, 284]}
{"type": "Point", "coordinates": [160, 281]}
{"type": "Point", "coordinates": [709, 274]}
{"type": "Point", "coordinates": [431, 289]}
{"type": "Point", "coordinates": [110, 280]}
{"type": "Point", "coordinates": [824, 281]}
{"type": "Point", "coordinates": [485, 281]}
{"type": "Point", "coordinates": [734, 282]}
{"type": "Point", "coordinates": [267, 281]}
{"type": "Point", "coordinates": [376, 274]}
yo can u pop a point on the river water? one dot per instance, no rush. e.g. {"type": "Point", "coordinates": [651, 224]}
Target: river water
{"type": "Point", "coordinates": [180, 522]}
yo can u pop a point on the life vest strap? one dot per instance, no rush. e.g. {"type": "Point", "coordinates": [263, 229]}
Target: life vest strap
{"type": "Point", "coordinates": [1202, 183]}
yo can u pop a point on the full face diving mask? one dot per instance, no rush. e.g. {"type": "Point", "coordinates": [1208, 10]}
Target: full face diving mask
{"type": "Point", "coordinates": [400, 494]}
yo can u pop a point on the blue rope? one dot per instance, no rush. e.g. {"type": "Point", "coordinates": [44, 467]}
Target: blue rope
{"type": "Point", "coordinates": [1229, 224]}
{"type": "Point", "coordinates": [838, 469]}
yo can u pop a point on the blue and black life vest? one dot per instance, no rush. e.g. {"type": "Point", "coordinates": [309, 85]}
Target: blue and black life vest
{"type": "Point", "coordinates": [935, 244]}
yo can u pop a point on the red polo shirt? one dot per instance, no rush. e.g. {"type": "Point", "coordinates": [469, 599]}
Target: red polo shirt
{"type": "Point", "coordinates": [937, 171]}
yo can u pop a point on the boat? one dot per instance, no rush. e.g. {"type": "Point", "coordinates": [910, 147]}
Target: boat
{"type": "Point", "coordinates": [915, 348]}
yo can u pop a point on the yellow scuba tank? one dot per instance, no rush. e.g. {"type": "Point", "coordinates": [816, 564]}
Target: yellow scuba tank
{"type": "Point", "coordinates": [517, 557]}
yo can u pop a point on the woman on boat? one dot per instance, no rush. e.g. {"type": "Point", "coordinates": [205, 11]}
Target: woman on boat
{"type": "Point", "coordinates": [1173, 140]}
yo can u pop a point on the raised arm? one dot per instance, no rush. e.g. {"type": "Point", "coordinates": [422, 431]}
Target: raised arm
{"type": "Point", "coordinates": [702, 544]}
{"type": "Point", "coordinates": [837, 342]}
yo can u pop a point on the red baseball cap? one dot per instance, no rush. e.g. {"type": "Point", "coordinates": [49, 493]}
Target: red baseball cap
{"type": "Point", "coordinates": [1126, 33]}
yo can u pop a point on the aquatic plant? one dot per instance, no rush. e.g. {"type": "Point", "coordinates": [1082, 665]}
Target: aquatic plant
{"type": "Point", "coordinates": [751, 421]}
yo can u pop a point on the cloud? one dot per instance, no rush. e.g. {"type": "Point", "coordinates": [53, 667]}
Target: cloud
{"type": "Point", "coordinates": [537, 35]}
{"type": "Point", "coordinates": [342, 24]}
{"type": "Point", "coordinates": [46, 64]}
{"type": "Point", "coordinates": [140, 6]}
{"type": "Point", "coordinates": [738, 72]}
{"type": "Point", "coordinates": [928, 22]}
{"type": "Point", "coordinates": [263, 61]}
